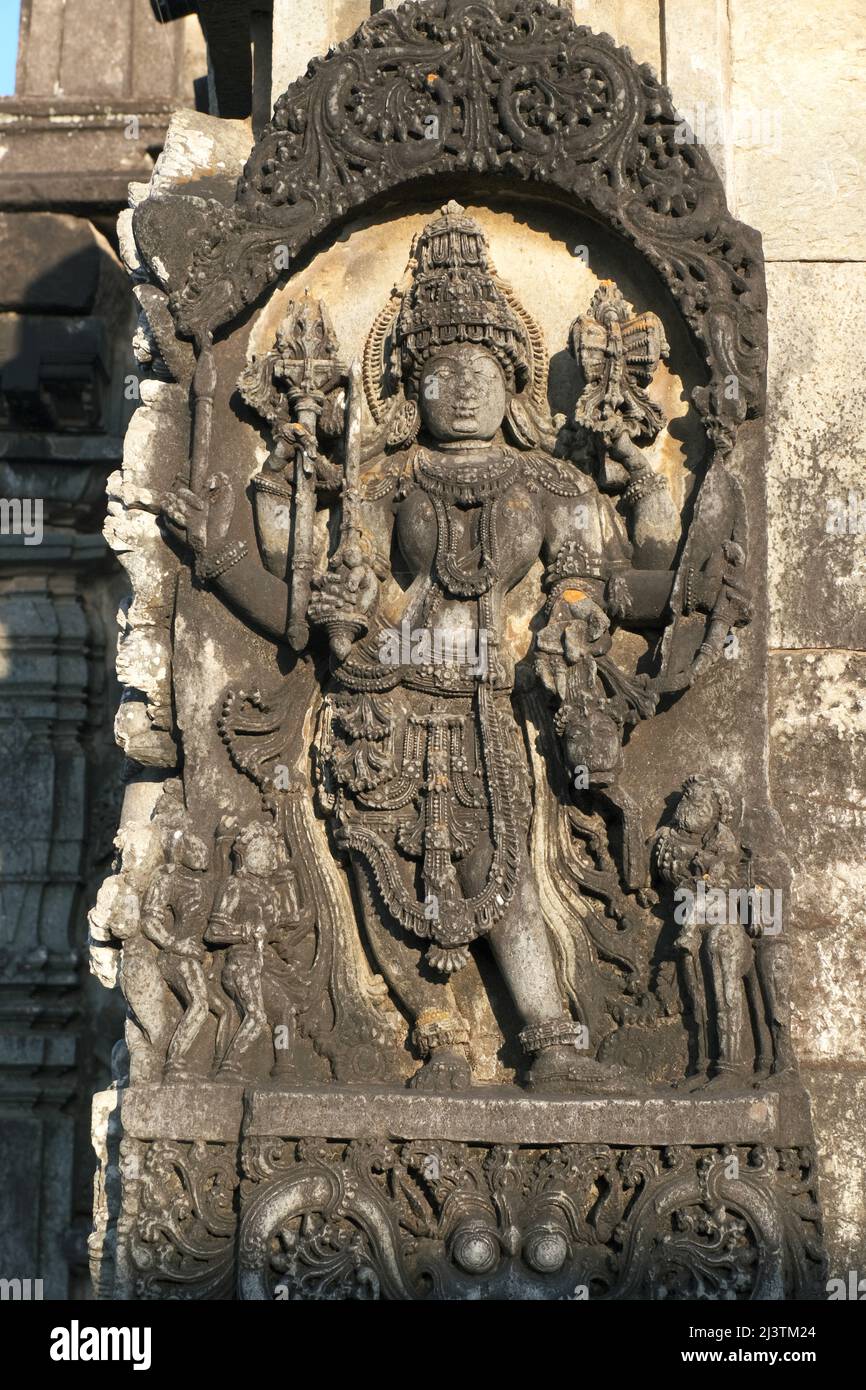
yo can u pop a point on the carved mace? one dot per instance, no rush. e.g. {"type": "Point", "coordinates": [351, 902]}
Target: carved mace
{"type": "Point", "coordinates": [307, 364]}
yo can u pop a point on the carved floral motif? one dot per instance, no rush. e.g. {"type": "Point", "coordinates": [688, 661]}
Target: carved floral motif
{"type": "Point", "coordinates": [511, 88]}
{"type": "Point", "coordinates": [371, 1220]}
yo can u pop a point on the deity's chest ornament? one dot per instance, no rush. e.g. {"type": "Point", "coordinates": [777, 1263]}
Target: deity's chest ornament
{"type": "Point", "coordinates": [457, 485]}
{"type": "Point", "coordinates": [467, 483]}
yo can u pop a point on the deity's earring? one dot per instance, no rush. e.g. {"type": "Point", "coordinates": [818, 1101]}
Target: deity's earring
{"type": "Point", "coordinates": [520, 424]}
{"type": "Point", "coordinates": [404, 424]}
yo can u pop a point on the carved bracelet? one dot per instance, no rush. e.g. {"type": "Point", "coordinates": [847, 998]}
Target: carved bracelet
{"type": "Point", "coordinates": [643, 485]}
{"type": "Point", "coordinates": [210, 567]}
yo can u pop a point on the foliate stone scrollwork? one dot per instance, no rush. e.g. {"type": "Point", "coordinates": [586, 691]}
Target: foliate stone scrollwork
{"type": "Point", "coordinates": [176, 1237]}
{"type": "Point", "coordinates": [508, 88]}
{"type": "Point", "coordinates": [372, 1220]}
{"type": "Point", "coordinates": [723, 1226]}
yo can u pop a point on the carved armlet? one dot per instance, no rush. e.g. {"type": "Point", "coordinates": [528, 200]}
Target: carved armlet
{"type": "Point", "coordinates": [607, 587]}
{"type": "Point", "coordinates": [571, 570]}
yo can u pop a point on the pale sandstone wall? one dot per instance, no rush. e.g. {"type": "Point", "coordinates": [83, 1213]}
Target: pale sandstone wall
{"type": "Point", "coordinates": [800, 180]}
{"type": "Point", "coordinates": [778, 94]}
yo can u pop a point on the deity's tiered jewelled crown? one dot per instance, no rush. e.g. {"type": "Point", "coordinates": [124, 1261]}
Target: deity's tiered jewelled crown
{"type": "Point", "coordinates": [455, 297]}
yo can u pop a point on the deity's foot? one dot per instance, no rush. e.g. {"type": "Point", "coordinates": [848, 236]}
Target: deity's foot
{"type": "Point", "coordinates": [287, 1073]}
{"type": "Point", "coordinates": [695, 1081]}
{"type": "Point", "coordinates": [446, 1069]}
{"type": "Point", "coordinates": [232, 1076]}
{"type": "Point", "coordinates": [785, 1079]}
{"type": "Point", "coordinates": [727, 1082]}
{"type": "Point", "coordinates": [563, 1069]}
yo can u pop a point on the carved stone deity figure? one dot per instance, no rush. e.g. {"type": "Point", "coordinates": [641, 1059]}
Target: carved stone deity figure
{"type": "Point", "coordinates": [446, 509]}
{"type": "Point", "coordinates": [174, 917]}
{"type": "Point", "coordinates": [428, 628]}
{"type": "Point", "coordinates": [255, 914]}
{"type": "Point", "coordinates": [735, 961]}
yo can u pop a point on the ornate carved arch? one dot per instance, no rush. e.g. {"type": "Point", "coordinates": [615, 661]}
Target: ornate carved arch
{"type": "Point", "coordinates": [504, 90]}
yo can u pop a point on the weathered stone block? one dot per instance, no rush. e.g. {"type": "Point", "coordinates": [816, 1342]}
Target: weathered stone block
{"type": "Point", "coordinates": [698, 71]}
{"type": "Point", "coordinates": [839, 1104]}
{"type": "Point", "coordinates": [796, 97]}
{"type": "Point", "coordinates": [817, 773]}
{"type": "Point", "coordinates": [816, 441]}
{"type": "Point", "coordinates": [301, 33]}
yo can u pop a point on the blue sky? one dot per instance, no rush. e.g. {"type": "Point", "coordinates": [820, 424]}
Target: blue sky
{"type": "Point", "coordinates": [9, 14]}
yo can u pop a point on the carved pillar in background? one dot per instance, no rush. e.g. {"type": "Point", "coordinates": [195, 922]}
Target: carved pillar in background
{"type": "Point", "coordinates": [62, 362]}
{"type": "Point", "coordinates": [60, 793]}
{"type": "Point", "coordinates": [95, 87]}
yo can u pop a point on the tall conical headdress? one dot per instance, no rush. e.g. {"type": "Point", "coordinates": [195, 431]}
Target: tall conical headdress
{"type": "Point", "coordinates": [454, 297]}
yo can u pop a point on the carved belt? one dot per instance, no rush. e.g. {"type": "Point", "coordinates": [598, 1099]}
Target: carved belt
{"type": "Point", "coordinates": [445, 680]}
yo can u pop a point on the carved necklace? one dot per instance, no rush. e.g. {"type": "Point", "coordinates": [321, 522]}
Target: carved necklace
{"type": "Point", "coordinates": [466, 484]}
{"type": "Point", "coordinates": [457, 581]}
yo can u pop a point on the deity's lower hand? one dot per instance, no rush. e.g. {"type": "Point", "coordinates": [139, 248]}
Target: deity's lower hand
{"type": "Point", "coordinates": [202, 521]}
{"type": "Point", "coordinates": [345, 593]}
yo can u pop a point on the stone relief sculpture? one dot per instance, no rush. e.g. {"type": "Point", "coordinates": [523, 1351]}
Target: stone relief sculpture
{"type": "Point", "coordinates": [258, 917]}
{"type": "Point", "coordinates": [422, 762]}
{"type": "Point", "coordinates": [737, 942]}
{"type": "Point", "coordinates": [439, 655]}
{"type": "Point", "coordinates": [173, 918]}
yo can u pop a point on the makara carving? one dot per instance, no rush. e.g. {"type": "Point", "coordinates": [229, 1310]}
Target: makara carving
{"type": "Point", "coordinates": [372, 1220]}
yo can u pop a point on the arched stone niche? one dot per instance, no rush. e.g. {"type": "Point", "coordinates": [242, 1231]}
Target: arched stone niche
{"type": "Point", "coordinates": [515, 92]}
{"type": "Point", "coordinates": [575, 168]}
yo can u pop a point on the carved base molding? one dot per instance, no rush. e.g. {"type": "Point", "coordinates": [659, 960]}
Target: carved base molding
{"type": "Point", "coordinates": [681, 1198]}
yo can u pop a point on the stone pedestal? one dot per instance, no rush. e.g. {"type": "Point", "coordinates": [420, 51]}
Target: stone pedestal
{"type": "Point", "coordinates": [336, 1192]}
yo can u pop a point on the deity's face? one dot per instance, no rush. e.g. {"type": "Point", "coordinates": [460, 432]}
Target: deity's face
{"type": "Point", "coordinates": [462, 394]}
{"type": "Point", "coordinates": [193, 852]}
{"type": "Point", "coordinates": [696, 812]}
{"type": "Point", "coordinates": [260, 857]}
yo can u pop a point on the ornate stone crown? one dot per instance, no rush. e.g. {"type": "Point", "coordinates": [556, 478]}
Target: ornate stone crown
{"type": "Point", "coordinates": [455, 296]}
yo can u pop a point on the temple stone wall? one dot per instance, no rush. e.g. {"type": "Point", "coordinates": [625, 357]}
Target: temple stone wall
{"type": "Point", "coordinates": [776, 92]}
